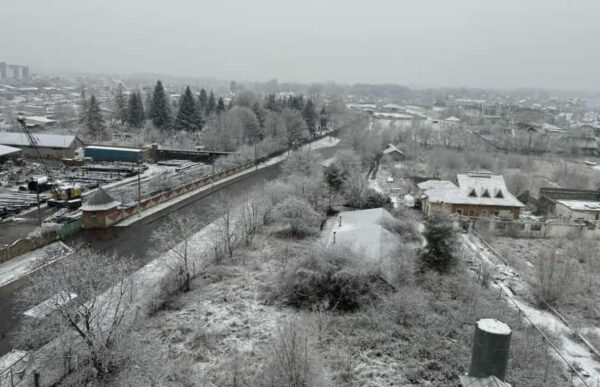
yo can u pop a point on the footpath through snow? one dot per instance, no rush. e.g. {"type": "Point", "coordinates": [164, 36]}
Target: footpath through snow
{"type": "Point", "coordinates": [517, 289]}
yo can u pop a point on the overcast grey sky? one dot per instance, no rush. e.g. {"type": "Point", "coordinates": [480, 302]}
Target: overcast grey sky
{"type": "Point", "coordinates": [479, 43]}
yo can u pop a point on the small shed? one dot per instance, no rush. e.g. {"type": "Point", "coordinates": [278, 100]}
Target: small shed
{"type": "Point", "coordinates": [393, 152]}
{"type": "Point", "coordinates": [100, 210]}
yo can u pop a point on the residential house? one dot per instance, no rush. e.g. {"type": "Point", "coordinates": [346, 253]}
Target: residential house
{"type": "Point", "coordinates": [394, 153]}
{"type": "Point", "coordinates": [477, 194]}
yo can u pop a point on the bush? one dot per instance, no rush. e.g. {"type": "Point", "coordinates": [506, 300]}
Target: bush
{"type": "Point", "coordinates": [302, 219]}
{"type": "Point", "coordinates": [439, 253]}
{"type": "Point", "coordinates": [292, 361]}
{"type": "Point", "coordinates": [375, 199]}
{"type": "Point", "coordinates": [328, 277]}
{"type": "Point", "coordinates": [407, 229]}
{"type": "Point", "coordinates": [366, 198]}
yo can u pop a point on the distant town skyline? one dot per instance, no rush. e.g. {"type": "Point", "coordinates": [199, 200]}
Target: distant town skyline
{"type": "Point", "coordinates": [431, 43]}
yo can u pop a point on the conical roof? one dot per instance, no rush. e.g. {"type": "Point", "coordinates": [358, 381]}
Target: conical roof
{"type": "Point", "coordinates": [100, 201]}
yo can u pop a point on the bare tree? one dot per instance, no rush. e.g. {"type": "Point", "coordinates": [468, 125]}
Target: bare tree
{"type": "Point", "coordinates": [226, 232]}
{"type": "Point", "coordinates": [292, 361]}
{"type": "Point", "coordinates": [176, 234]}
{"type": "Point", "coordinates": [251, 211]}
{"type": "Point", "coordinates": [88, 295]}
{"type": "Point", "coordinates": [555, 275]}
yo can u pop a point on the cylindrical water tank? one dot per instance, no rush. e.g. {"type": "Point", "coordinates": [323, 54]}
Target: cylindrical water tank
{"type": "Point", "coordinates": [491, 347]}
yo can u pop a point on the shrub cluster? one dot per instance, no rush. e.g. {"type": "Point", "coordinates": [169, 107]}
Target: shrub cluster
{"type": "Point", "coordinates": [329, 277]}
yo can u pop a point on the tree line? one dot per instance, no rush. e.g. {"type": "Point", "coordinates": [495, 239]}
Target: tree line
{"type": "Point", "coordinates": [246, 119]}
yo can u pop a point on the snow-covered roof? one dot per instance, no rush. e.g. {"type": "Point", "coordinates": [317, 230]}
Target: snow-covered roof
{"type": "Point", "coordinates": [392, 149]}
{"type": "Point", "coordinates": [100, 201]}
{"type": "Point", "coordinates": [363, 232]}
{"type": "Point", "coordinates": [581, 205]}
{"type": "Point", "coordinates": [399, 116]}
{"type": "Point", "coordinates": [428, 184]}
{"type": "Point", "coordinates": [113, 148]}
{"type": "Point", "coordinates": [475, 188]}
{"type": "Point", "coordinates": [8, 150]}
{"type": "Point", "coordinates": [39, 120]}
{"type": "Point", "coordinates": [453, 119]}
{"type": "Point", "coordinates": [43, 139]}
{"type": "Point", "coordinates": [392, 106]}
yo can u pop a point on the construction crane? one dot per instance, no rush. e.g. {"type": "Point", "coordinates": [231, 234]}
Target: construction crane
{"type": "Point", "coordinates": [66, 195]}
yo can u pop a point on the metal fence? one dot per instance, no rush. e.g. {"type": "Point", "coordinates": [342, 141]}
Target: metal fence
{"type": "Point", "coordinates": [544, 339]}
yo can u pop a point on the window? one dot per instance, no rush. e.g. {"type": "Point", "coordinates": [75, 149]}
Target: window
{"type": "Point", "coordinates": [536, 227]}
{"type": "Point", "coordinates": [486, 194]}
{"type": "Point", "coordinates": [459, 212]}
{"type": "Point", "coordinates": [471, 212]}
{"type": "Point", "coordinates": [473, 194]}
{"type": "Point", "coordinates": [484, 213]}
{"type": "Point", "coordinates": [500, 195]}
{"type": "Point", "coordinates": [496, 213]}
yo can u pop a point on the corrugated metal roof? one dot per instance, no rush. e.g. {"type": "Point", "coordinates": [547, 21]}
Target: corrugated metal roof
{"type": "Point", "coordinates": [43, 139]}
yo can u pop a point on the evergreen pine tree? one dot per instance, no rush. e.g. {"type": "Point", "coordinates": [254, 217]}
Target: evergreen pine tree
{"type": "Point", "coordinates": [160, 111]}
{"type": "Point", "coordinates": [261, 114]}
{"type": "Point", "coordinates": [94, 122]}
{"type": "Point", "coordinates": [296, 102]}
{"type": "Point", "coordinates": [120, 113]}
{"type": "Point", "coordinates": [83, 109]}
{"type": "Point", "coordinates": [323, 118]}
{"type": "Point", "coordinates": [188, 117]}
{"type": "Point", "coordinates": [135, 110]}
{"type": "Point", "coordinates": [211, 105]}
{"type": "Point", "coordinates": [310, 117]}
{"type": "Point", "coordinates": [220, 105]}
{"type": "Point", "coordinates": [148, 105]}
{"type": "Point", "coordinates": [202, 101]}
{"type": "Point", "coordinates": [439, 253]}
{"type": "Point", "coordinates": [272, 103]}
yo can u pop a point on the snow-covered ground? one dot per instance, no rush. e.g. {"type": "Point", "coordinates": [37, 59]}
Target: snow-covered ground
{"type": "Point", "coordinates": [517, 289]}
{"type": "Point", "coordinates": [28, 263]}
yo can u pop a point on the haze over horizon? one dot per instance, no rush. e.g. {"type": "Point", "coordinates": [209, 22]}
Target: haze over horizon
{"type": "Point", "coordinates": [431, 43]}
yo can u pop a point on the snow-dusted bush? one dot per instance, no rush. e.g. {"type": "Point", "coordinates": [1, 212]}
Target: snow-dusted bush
{"type": "Point", "coordinates": [329, 277]}
{"type": "Point", "coordinates": [300, 216]}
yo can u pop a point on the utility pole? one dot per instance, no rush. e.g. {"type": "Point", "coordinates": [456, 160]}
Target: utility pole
{"type": "Point", "coordinates": [139, 184]}
{"type": "Point", "coordinates": [255, 155]}
{"type": "Point", "coordinates": [37, 193]}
